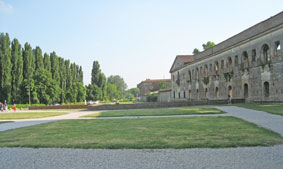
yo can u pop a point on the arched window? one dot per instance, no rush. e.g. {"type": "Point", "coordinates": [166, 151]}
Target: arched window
{"type": "Point", "coordinates": [266, 89]}
{"type": "Point", "coordinates": [230, 91]}
{"type": "Point", "coordinates": [216, 66]}
{"type": "Point", "coordinates": [222, 64]}
{"type": "Point", "coordinates": [253, 55]}
{"type": "Point", "coordinates": [197, 74]}
{"type": "Point", "coordinates": [266, 53]}
{"type": "Point", "coordinates": [206, 93]}
{"type": "Point", "coordinates": [245, 59]}
{"type": "Point", "coordinates": [197, 94]}
{"type": "Point", "coordinates": [190, 76]}
{"type": "Point", "coordinates": [216, 92]}
{"type": "Point", "coordinates": [229, 62]}
{"type": "Point", "coordinates": [205, 70]}
{"type": "Point", "coordinates": [184, 94]}
{"type": "Point", "coordinates": [277, 48]}
{"type": "Point", "coordinates": [236, 60]}
{"type": "Point", "coordinates": [246, 90]}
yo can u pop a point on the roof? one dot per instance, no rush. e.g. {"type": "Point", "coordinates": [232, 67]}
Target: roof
{"type": "Point", "coordinates": [165, 90]}
{"type": "Point", "coordinates": [184, 59]}
{"type": "Point", "coordinates": [157, 80]}
{"type": "Point", "coordinates": [251, 32]}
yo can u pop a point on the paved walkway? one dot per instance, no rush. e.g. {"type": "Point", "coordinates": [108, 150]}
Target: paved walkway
{"type": "Point", "coordinates": [228, 158]}
{"type": "Point", "coordinates": [263, 119]}
{"type": "Point", "coordinates": [18, 123]}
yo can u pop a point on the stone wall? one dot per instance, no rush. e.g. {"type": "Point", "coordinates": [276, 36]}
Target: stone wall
{"type": "Point", "coordinates": [164, 96]}
{"type": "Point", "coordinates": [59, 107]}
{"type": "Point", "coordinates": [161, 105]}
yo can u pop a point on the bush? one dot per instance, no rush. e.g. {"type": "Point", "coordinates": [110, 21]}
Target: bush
{"type": "Point", "coordinates": [151, 98]}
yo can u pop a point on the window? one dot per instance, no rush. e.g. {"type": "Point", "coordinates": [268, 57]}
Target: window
{"type": "Point", "coordinates": [253, 55]}
{"type": "Point", "coordinates": [206, 93]}
{"type": "Point", "coordinates": [197, 74]}
{"type": "Point", "coordinates": [229, 62]}
{"type": "Point", "coordinates": [190, 94]}
{"type": "Point", "coordinates": [222, 64]}
{"type": "Point", "coordinates": [184, 94]}
{"type": "Point", "coordinates": [277, 48]}
{"type": "Point", "coordinates": [265, 52]}
{"type": "Point", "coordinates": [179, 95]}
{"type": "Point", "coordinates": [174, 95]}
{"type": "Point", "coordinates": [205, 70]}
{"type": "Point", "coordinates": [236, 60]}
{"type": "Point", "coordinates": [245, 59]}
{"type": "Point", "coordinates": [216, 66]}
{"type": "Point", "coordinates": [216, 92]}
{"type": "Point", "coordinates": [266, 89]}
{"type": "Point", "coordinates": [190, 76]}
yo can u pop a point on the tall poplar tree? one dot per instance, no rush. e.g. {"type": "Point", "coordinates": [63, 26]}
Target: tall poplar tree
{"type": "Point", "coordinates": [5, 67]}
{"type": "Point", "coordinates": [17, 71]}
{"type": "Point", "coordinates": [46, 62]}
{"type": "Point", "coordinates": [38, 58]}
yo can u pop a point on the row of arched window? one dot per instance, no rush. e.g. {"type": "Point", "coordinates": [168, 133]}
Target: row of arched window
{"type": "Point", "coordinates": [265, 53]}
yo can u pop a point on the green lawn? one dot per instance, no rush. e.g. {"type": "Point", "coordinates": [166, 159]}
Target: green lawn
{"type": "Point", "coordinates": [189, 132]}
{"type": "Point", "coordinates": [269, 108]}
{"type": "Point", "coordinates": [9, 116]}
{"type": "Point", "coordinates": [158, 112]}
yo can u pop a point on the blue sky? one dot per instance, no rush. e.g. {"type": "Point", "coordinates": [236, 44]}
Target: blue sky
{"type": "Point", "coordinates": [136, 39]}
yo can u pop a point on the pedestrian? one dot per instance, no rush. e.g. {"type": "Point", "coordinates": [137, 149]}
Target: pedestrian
{"type": "Point", "coordinates": [14, 107]}
{"type": "Point", "coordinates": [229, 99]}
{"type": "Point", "coordinates": [5, 106]}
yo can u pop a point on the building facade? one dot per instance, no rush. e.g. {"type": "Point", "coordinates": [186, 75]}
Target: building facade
{"type": "Point", "coordinates": [248, 65]}
{"type": "Point", "coordinates": [151, 85]}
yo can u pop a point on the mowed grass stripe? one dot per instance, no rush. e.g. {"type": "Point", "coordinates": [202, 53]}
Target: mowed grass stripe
{"type": "Point", "coordinates": [158, 112]}
{"type": "Point", "coordinates": [10, 116]}
{"type": "Point", "coordinates": [157, 133]}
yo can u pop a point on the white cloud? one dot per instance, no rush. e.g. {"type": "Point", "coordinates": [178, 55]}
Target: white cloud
{"type": "Point", "coordinates": [5, 8]}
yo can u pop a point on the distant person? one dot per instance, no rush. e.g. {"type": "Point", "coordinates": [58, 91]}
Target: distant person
{"type": "Point", "coordinates": [2, 106]}
{"type": "Point", "coordinates": [229, 99]}
{"type": "Point", "coordinates": [14, 107]}
{"type": "Point", "coordinates": [5, 106]}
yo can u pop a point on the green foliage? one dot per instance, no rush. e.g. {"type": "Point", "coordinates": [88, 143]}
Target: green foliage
{"type": "Point", "coordinates": [46, 79]}
{"type": "Point", "coordinates": [196, 51]}
{"type": "Point", "coordinates": [208, 45]}
{"type": "Point", "coordinates": [112, 92]}
{"type": "Point", "coordinates": [17, 71]}
{"type": "Point", "coordinates": [95, 73]}
{"type": "Point", "coordinates": [93, 92]}
{"type": "Point", "coordinates": [228, 76]}
{"type": "Point", "coordinates": [206, 80]}
{"type": "Point", "coordinates": [5, 67]}
{"type": "Point", "coordinates": [151, 98]}
{"type": "Point", "coordinates": [164, 85]}
{"type": "Point", "coordinates": [120, 83]}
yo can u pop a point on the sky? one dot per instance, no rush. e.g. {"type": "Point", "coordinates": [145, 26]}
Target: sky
{"type": "Point", "coordinates": [136, 39]}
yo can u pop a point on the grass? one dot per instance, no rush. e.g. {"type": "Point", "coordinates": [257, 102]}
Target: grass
{"type": "Point", "coordinates": [9, 116]}
{"type": "Point", "coordinates": [269, 108]}
{"type": "Point", "coordinates": [158, 112]}
{"type": "Point", "coordinates": [62, 109]}
{"type": "Point", "coordinates": [157, 133]}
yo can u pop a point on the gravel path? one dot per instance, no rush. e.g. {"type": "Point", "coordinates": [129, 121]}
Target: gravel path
{"type": "Point", "coordinates": [263, 119]}
{"type": "Point", "coordinates": [232, 158]}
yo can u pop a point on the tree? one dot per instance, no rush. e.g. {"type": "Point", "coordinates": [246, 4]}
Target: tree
{"type": "Point", "coordinates": [38, 58]}
{"type": "Point", "coordinates": [5, 67]}
{"type": "Point", "coordinates": [47, 88]}
{"type": "Point", "coordinates": [28, 85]}
{"type": "Point", "coordinates": [208, 45]}
{"type": "Point", "coordinates": [55, 66]}
{"type": "Point", "coordinates": [46, 62]}
{"type": "Point", "coordinates": [17, 71]}
{"type": "Point", "coordinates": [93, 92]}
{"type": "Point", "coordinates": [119, 82]}
{"type": "Point", "coordinates": [196, 51]}
{"type": "Point", "coordinates": [164, 85]}
{"type": "Point", "coordinates": [95, 73]}
{"type": "Point", "coordinates": [134, 91]}
{"type": "Point", "coordinates": [112, 92]}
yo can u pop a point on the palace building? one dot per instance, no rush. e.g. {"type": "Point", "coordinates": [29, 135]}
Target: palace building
{"type": "Point", "coordinates": [246, 66]}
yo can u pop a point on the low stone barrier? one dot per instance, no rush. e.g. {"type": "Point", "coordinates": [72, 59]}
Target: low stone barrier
{"type": "Point", "coordinates": [161, 105]}
{"type": "Point", "coordinates": [59, 107]}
